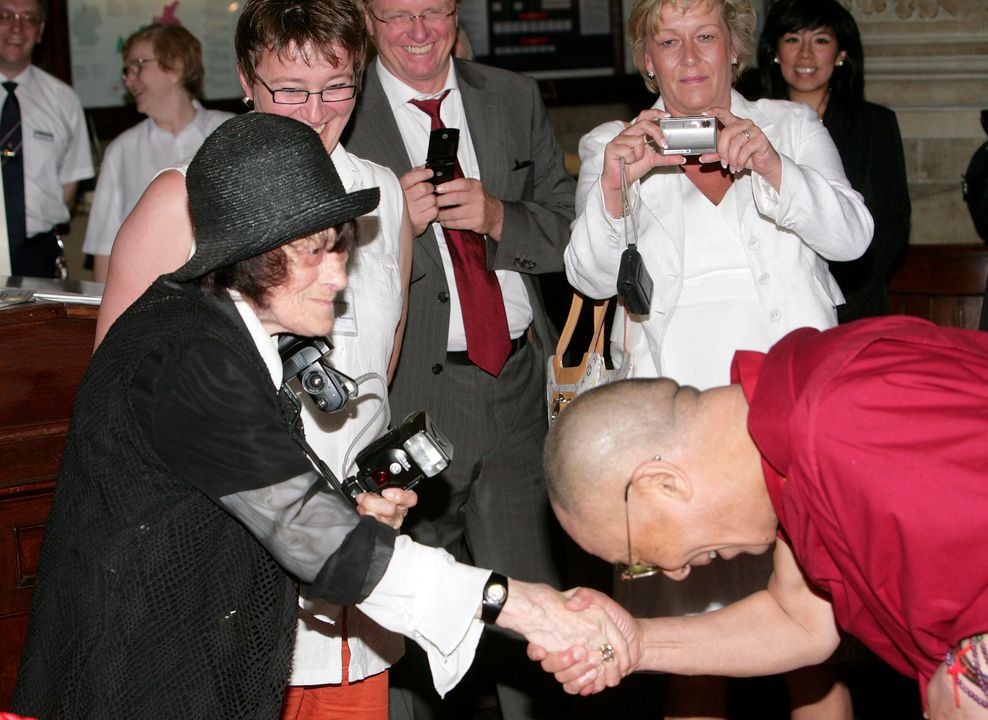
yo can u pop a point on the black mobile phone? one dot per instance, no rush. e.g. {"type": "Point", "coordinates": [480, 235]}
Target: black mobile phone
{"type": "Point", "coordinates": [441, 158]}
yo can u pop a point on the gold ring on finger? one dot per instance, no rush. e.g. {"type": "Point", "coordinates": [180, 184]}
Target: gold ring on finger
{"type": "Point", "coordinates": [607, 652]}
{"type": "Point", "coordinates": [747, 135]}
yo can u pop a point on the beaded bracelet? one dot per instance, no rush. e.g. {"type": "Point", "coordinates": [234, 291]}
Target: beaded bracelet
{"type": "Point", "coordinates": [971, 662]}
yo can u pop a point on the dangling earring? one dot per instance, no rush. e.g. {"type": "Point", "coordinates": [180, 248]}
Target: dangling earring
{"type": "Point", "coordinates": [776, 59]}
{"type": "Point", "coordinates": [650, 75]}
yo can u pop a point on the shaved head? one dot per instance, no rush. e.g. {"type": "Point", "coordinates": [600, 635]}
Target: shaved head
{"type": "Point", "coordinates": [606, 432]}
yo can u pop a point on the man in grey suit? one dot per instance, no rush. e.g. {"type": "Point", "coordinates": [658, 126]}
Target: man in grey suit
{"type": "Point", "coordinates": [477, 335]}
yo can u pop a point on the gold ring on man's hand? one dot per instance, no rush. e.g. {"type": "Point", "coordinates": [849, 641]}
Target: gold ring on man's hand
{"type": "Point", "coordinates": [607, 652]}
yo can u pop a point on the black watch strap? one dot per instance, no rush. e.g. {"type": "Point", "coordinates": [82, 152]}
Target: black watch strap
{"type": "Point", "coordinates": [495, 595]}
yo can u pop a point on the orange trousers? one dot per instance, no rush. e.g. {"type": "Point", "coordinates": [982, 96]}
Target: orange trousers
{"type": "Point", "coordinates": [365, 699]}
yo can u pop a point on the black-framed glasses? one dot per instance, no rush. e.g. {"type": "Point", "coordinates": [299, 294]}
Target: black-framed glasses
{"type": "Point", "coordinates": [134, 67]}
{"type": "Point", "coordinates": [297, 96]}
{"type": "Point", "coordinates": [28, 18]}
{"type": "Point", "coordinates": [433, 17]}
{"type": "Point", "coordinates": [633, 570]}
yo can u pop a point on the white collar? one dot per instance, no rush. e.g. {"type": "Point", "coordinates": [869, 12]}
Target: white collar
{"type": "Point", "coordinates": [267, 345]}
{"type": "Point", "coordinates": [399, 93]}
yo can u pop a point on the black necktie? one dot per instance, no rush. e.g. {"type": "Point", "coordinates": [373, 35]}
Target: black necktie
{"type": "Point", "coordinates": [12, 157]}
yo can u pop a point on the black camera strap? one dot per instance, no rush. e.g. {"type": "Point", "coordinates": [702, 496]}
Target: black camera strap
{"type": "Point", "coordinates": [634, 283]}
{"type": "Point", "coordinates": [291, 408]}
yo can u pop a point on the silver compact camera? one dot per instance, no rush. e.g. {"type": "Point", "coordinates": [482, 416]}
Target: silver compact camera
{"type": "Point", "coordinates": [688, 135]}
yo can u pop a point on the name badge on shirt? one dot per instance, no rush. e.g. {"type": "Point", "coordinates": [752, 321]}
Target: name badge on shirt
{"type": "Point", "coordinates": [346, 314]}
{"type": "Point", "coordinates": [42, 135]}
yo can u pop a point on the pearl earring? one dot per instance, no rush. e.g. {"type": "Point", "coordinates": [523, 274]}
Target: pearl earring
{"type": "Point", "coordinates": [650, 75]}
{"type": "Point", "coordinates": [776, 59]}
{"type": "Point", "coordinates": [734, 61]}
{"type": "Point", "coordinates": [840, 63]}
{"type": "Point", "coordinates": [247, 101]}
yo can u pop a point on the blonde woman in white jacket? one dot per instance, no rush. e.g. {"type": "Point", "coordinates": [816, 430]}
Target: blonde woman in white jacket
{"type": "Point", "coordinates": [736, 241]}
{"type": "Point", "coordinates": [738, 258]}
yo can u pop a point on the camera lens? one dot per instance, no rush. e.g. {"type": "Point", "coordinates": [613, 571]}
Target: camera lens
{"type": "Point", "coordinates": [313, 382]}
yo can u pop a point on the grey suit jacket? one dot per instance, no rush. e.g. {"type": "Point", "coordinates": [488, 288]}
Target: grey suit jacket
{"type": "Point", "coordinates": [522, 164]}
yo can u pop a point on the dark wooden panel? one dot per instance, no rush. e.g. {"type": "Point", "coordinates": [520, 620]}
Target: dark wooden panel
{"type": "Point", "coordinates": [46, 348]}
{"type": "Point", "coordinates": [22, 523]}
{"type": "Point", "coordinates": [13, 630]}
{"type": "Point", "coordinates": [28, 456]}
{"type": "Point", "coordinates": [942, 283]}
{"type": "Point", "coordinates": [46, 352]}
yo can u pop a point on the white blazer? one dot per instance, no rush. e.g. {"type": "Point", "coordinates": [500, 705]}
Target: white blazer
{"type": "Point", "coordinates": [788, 235]}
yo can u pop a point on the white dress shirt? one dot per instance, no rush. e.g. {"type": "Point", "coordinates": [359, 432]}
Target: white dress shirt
{"type": "Point", "coordinates": [56, 145]}
{"type": "Point", "coordinates": [415, 127]}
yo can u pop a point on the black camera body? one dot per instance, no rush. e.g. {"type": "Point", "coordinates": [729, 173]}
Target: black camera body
{"type": "Point", "coordinates": [441, 156]}
{"type": "Point", "coordinates": [634, 283]}
{"type": "Point", "coordinates": [402, 458]}
{"type": "Point", "coordinates": [302, 357]}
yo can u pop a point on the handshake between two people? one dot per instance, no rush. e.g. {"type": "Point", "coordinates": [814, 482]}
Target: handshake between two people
{"type": "Point", "coordinates": [581, 636]}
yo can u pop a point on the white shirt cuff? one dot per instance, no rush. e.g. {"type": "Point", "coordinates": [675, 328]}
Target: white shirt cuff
{"type": "Point", "coordinates": [430, 598]}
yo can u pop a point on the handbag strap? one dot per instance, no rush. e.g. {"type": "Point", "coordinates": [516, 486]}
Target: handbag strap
{"type": "Point", "coordinates": [596, 341]}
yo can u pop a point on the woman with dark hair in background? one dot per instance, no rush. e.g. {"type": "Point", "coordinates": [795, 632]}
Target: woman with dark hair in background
{"type": "Point", "coordinates": [810, 52]}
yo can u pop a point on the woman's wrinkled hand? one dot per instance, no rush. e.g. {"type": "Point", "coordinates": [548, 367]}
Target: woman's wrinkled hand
{"type": "Point", "coordinates": [742, 145]}
{"type": "Point", "coordinates": [580, 669]}
{"type": "Point", "coordinates": [546, 619]}
{"type": "Point", "coordinates": [390, 507]}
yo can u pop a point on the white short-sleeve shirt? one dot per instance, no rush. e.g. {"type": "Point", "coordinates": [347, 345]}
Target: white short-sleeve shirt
{"type": "Point", "coordinates": [56, 145]}
{"type": "Point", "coordinates": [129, 165]}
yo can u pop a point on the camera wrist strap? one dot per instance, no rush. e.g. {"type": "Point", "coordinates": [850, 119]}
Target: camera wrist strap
{"type": "Point", "coordinates": [630, 239]}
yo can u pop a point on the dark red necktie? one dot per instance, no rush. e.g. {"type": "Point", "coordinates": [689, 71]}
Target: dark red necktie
{"type": "Point", "coordinates": [484, 321]}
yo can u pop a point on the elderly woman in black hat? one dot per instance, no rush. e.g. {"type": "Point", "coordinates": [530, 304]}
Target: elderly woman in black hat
{"type": "Point", "coordinates": [186, 514]}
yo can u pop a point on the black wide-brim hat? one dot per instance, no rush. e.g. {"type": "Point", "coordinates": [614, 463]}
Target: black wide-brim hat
{"type": "Point", "coordinates": [260, 181]}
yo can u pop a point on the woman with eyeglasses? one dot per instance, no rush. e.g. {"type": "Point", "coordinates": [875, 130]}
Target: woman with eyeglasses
{"type": "Point", "coordinates": [303, 59]}
{"type": "Point", "coordinates": [163, 72]}
{"type": "Point", "coordinates": [810, 52]}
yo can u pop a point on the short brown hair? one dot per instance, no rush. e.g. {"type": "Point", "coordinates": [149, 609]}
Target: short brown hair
{"type": "Point", "coordinates": [176, 50]}
{"type": "Point", "coordinates": [739, 16]}
{"type": "Point", "coordinates": [254, 277]}
{"type": "Point", "coordinates": [279, 25]}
